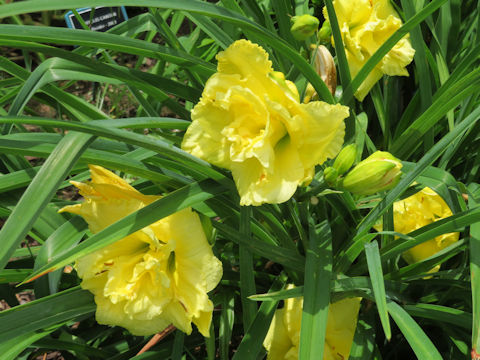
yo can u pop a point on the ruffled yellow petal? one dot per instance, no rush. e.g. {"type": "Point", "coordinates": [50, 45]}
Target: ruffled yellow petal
{"type": "Point", "coordinates": [244, 58]}
{"type": "Point", "coordinates": [353, 12]}
{"type": "Point", "coordinates": [204, 140]}
{"type": "Point", "coordinates": [319, 131]}
{"type": "Point", "coordinates": [256, 185]}
{"type": "Point", "coordinates": [157, 276]}
{"type": "Point", "coordinates": [251, 122]}
{"type": "Point", "coordinates": [108, 198]}
{"type": "Point", "coordinates": [365, 25]}
{"type": "Point", "coordinates": [417, 211]}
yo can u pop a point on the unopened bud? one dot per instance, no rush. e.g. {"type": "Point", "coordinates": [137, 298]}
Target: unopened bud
{"type": "Point", "coordinates": [330, 175]}
{"type": "Point", "coordinates": [325, 32]}
{"type": "Point", "coordinates": [345, 159]}
{"type": "Point", "coordinates": [380, 171]}
{"type": "Point", "coordinates": [304, 26]}
{"type": "Point", "coordinates": [325, 67]}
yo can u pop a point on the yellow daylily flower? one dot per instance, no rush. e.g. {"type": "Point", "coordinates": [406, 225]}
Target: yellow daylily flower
{"type": "Point", "coordinates": [155, 277]}
{"type": "Point", "coordinates": [419, 210]}
{"type": "Point", "coordinates": [250, 121]}
{"type": "Point", "coordinates": [283, 337]}
{"type": "Point", "coordinates": [365, 25]}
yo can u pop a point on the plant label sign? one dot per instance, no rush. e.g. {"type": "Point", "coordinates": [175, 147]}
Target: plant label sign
{"type": "Point", "coordinates": [100, 18]}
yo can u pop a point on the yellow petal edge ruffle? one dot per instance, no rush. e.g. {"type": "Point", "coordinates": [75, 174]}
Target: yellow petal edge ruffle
{"type": "Point", "coordinates": [365, 25]}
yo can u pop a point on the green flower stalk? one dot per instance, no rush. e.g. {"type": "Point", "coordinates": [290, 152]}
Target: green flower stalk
{"type": "Point", "coordinates": [304, 26]}
{"type": "Point", "coordinates": [380, 171]}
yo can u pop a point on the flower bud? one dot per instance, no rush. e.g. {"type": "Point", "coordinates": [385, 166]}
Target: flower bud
{"type": "Point", "coordinates": [325, 67]}
{"type": "Point", "coordinates": [325, 32]}
{"type": "Point", "coordinates": [330, 175]}
{"type": "Point", "coordinates": [345, 159]}
{"type": "Point", "coordinates": [380, 171]}
{"type": "Point", "coordinates": [304, 26]}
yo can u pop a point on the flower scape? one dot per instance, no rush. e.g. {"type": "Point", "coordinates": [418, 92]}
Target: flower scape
{"type": "Point", "coordinates": [250, 121]}
{"type": "Point", "coordinates": [154, 277]}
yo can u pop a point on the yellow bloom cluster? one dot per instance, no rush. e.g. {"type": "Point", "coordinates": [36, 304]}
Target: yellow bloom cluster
{"type": "Point", "coordinates": [155, 277]}
{"type": "Point", "coordinates": [419, 210]}
{"type": "Point", "coordinates": [365, 25]}
{"type": "Point", "coordinates": [250, 121]}
{"type": "Point", "coordinates": [283, 338]}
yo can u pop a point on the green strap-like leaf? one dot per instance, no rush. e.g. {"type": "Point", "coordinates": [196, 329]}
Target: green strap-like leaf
{"type": "Point", "coordinates": [40, 191]}
{"type": "Point", "coordinates": [48, 311]}
{"type": "Point", "coordinates": [192, 6]}
{"type": "Point", "coordinates": [418, 340]}
{"type": "Point", "coordinates": [376, 275]}
{"type": "Point", "coordinates": [318, 276]}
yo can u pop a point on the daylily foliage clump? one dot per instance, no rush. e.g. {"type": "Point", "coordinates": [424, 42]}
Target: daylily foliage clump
{"type": "Point", "coordinates": [230, 180]}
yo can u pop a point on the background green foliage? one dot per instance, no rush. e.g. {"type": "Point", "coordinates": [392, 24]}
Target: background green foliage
{"type": "Point", "coordinates": [122, 100]}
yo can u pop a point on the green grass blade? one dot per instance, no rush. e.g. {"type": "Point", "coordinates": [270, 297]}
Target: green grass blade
{"type": "Point", "coordinates": [251, 344]}
{"type": "Point", "coordinates": [89, 156]}
{"type": "Point", "coordinates": [283, 12]}
{"type": "Point", "coordinates": [195, 7]}
{"type": "Point", "coordinates": [40, 191]}
{"type": "Point", "coordinates": [64, 238]}
{"type": "Point", "coordinates": [75, 347]}
{"type": "Point", "coordinates": [375, 270]}
{"type": "Point", "coordinates": [227, 319]}
{"type": "Point", "coordinates": [247, 276]}
{"type": "Point", "coordinates": [287, 257]}
{"type": "Point", "coordinates": [442, 314]}
{"type": "Point", "coordinates": [318, 273]}
{"type": "Point", "coordinates": [406, 144]}
{"type": "Point", "coordinates": [475, 271]}
{"type": "Point", "coordinates": [343, 68]}
{"type": "Point", "coordinates": [100, 40]}
{"type": "Point", "coordinates": [423, 73]}
{"type": "Point", "coordinates": [48, 311]}
{"type": "Point", "coordinates": [418, 340]}
{"type": "Point", "coordinates": [13, 275]}
{"type": "Point", "coordinates": [211, 29]}
{"type": "Point", "coordinates": [146, 142]}
{"type": "Point", "coordinates": [12, 348]}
